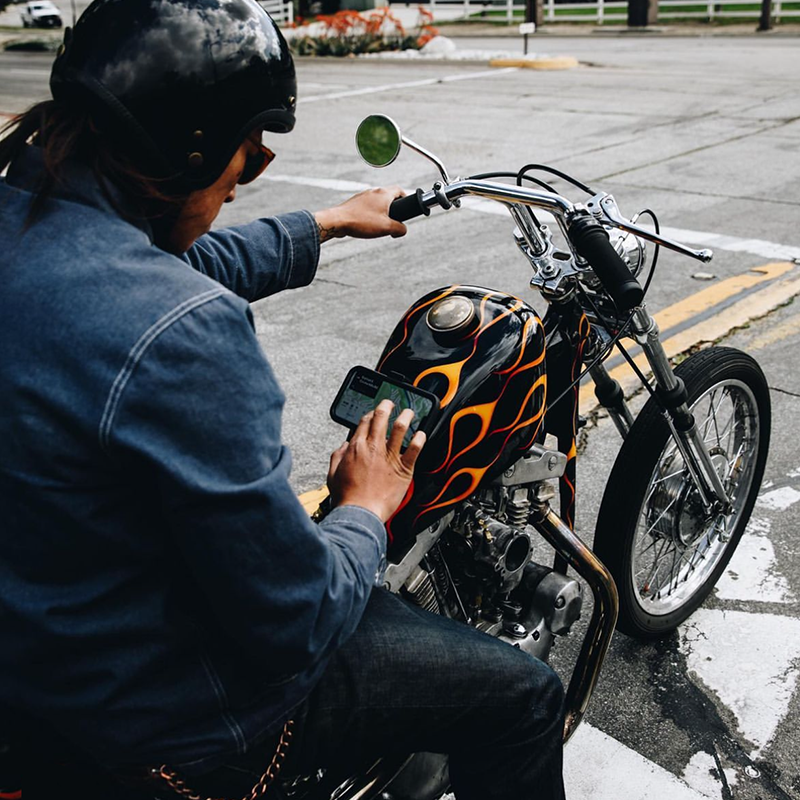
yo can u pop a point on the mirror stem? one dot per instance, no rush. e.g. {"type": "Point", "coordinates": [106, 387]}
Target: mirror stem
{"type": "Point", "coordinates": [427, 154]}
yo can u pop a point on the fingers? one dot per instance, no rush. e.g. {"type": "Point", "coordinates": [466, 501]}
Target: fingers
{"type": "Point", "coordinates": [379, 424]}
{"type": "Point", "coordinates": [398, 229]}
{"type": "Point", "coordinates": [374, 426]}
{"type": "Point", "coordinates": [399, 430]}
{"type": "Point", "coordinates": [336, 458]}
{"type": "Point", "coordinates": [362, 429]}
{"type": "Point", "coordinates": [409, 458]}
{"type": "Point", "coordinates": [364, 215]}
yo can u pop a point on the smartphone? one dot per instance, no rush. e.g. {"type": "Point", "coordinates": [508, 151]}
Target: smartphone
{"type": "Point", "coordinates": [364, 388]}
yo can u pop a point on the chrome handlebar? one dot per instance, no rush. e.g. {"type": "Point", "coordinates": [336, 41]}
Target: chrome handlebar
{"type": "Point", "coordinates": [601, 206]}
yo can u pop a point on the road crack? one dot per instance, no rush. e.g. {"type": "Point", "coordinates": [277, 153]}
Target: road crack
{"type": "Point", "coordinates": [783, 391]}
{"type": "Point", "coordinates": [695, 193]}
{"type": "Point", "coordinates": [695, 150]}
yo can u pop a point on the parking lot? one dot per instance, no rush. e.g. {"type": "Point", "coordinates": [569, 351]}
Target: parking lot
{"type": "Point", "coordinates": [704, 131]}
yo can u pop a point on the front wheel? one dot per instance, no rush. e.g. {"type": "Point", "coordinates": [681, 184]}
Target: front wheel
{"type": "Point", "coordinates": [663, 549]}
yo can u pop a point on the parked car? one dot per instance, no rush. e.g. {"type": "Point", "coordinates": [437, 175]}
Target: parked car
{"type": "Point", "coordinates": [41, 14]}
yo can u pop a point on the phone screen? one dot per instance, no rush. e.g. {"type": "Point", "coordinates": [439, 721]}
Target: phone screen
{"type": "Point", "coordinates": [364, 388]}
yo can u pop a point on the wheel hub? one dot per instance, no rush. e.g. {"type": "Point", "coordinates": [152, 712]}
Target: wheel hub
{"type": "Point", "coordinates": [677, 513]}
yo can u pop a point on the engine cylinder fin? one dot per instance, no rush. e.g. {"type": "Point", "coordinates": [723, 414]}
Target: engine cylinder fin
{"type": "Point", "coordinates": [421, 591]}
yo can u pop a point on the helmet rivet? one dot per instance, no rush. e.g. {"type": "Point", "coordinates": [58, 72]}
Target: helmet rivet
{"type": "Point", "coordinates": [195, 159]}
{"type": "Point", "coordinates": [198, 134]}
{"type": "Point", "coordinates": [61, 50]}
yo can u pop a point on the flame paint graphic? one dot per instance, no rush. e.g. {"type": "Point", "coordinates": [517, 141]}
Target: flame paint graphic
{"type": "Point", "coordinates": [492, 399]}
{"type": "Point", "coordinates": [450, 371]}
{"type": "Point", "coordinates": [407, 319]}
{"type": "Point", "coordinates": [403, 504]}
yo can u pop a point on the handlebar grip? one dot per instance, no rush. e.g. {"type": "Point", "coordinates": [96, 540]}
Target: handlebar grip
{"type": "Point", "coordinates": [408, 207]}
{"type": "Point", "coordinates": [592, 243]}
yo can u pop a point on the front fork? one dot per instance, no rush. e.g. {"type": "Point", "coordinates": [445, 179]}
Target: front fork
{"type": "Point", "coordinates": [673, 396]}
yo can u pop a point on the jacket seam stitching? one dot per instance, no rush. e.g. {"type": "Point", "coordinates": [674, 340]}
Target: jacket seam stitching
{"type": "Point", "coordinates": [291, 249]}
{"type": "Point", "coordinates": [222, 700]}
{"type": "Point", "coordinates": [315, 236]}
{"type": "Point", "coordinates": [136, 354]}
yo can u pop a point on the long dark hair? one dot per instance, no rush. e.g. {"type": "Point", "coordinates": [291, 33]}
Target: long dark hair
{"type": "Point", "coordinates": [66, 133]}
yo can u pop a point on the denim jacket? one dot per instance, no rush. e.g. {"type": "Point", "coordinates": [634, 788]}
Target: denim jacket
{"type": "Point", "coordinates": [163, 595]}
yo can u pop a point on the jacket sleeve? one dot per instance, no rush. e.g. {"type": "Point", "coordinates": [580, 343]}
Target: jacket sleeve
{"type": "Point", "coordinates": [262, 257]}
{"type": "Point", "coordinates": [201, 413]}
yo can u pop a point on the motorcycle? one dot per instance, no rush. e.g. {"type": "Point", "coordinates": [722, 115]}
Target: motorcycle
{"type": "Point", "coordinates": [676, 501]}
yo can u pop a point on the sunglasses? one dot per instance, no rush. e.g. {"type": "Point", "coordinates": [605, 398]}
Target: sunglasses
{"type": "Point", "coordinates": [256, 162]}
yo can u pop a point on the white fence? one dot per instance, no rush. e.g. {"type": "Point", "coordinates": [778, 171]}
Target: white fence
{"type": "Point", "coordinates": [678, 9]}
{"type": "Point", "coordinates": [613, 11]}
{"type": "Point", "coordinates": [282, 11]}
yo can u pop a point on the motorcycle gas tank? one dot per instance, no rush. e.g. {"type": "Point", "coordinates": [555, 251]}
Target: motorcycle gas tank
{"type": "Point", "coordinates": [481, 352]}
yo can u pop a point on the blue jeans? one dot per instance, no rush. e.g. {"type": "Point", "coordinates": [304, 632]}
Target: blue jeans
{"type": "Point", "coordinates": [410, 681]}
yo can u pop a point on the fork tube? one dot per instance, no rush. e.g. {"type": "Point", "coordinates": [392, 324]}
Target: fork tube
{"type": "Point", "coordinates": [610, 395]}
{"type": "Point", "coordinates": [681, 421]}
{"type": "Point", "coordinates": [569, 546]}
{"type": "Point", "coordinates": [533, 238]}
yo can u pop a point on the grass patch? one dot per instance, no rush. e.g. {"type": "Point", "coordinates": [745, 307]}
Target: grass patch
{"type": "Point", "coordinates": [615, 16]}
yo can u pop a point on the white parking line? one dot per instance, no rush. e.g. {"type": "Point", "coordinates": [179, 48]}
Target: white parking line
{"type": "Point", "coordinates": [779, 499]}
{"type": "Point", "coordinates": [388, 87]}
{"type": "Point", "coordinates": [597, 767]}
{"type": "Point", "coordinates": [319, 183]}
{"type": "Point", "coordinates": [759, 247]}
{"type": "Point", "coordinates": [751, 573]}
{"type": "Point", "coordinates": [746, 660]}
{"type": "Point", "coordinates": [38, 73]}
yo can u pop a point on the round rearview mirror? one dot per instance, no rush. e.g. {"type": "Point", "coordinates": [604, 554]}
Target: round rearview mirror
{"type": "Point", "coordinates": [378, 140]}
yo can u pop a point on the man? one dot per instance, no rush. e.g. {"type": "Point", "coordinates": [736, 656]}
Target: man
{"type": "Point", "coordinates": [164, 600]}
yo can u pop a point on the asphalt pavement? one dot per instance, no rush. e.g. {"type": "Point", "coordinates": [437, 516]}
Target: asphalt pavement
{"type": "Point", "coordinates": [707, 133]}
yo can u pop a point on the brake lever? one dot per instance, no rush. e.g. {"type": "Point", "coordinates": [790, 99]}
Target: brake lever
{"type": "Point", "coordinates": [607, 207]}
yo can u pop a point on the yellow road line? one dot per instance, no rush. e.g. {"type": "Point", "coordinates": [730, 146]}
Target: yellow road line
{"type": "Point", "coordinates": [708, 298]}
{"type": "Point", "coordinates": [311, 500]}
{"type": "Point", "coordinates": [709, 330]}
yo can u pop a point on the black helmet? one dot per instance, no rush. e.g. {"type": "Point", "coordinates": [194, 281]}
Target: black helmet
{"type": "Point", "coordinates": [181, 82]}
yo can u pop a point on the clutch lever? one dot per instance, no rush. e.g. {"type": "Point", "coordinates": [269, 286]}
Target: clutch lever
{"type": "Point", "coordinates": [607, 206]}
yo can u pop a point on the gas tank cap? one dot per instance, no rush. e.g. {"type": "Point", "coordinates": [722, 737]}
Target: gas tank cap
{"type": "Point", "coordinates": [451, 315]}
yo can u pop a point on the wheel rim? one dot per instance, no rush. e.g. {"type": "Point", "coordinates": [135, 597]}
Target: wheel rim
{"type": "Point", "coordinates": [676, 545]}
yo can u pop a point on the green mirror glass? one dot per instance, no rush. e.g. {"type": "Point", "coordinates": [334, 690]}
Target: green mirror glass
{"type": "Point", "coordinates": [378, 140]}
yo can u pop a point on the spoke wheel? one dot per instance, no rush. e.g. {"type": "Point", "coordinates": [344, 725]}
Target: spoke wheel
{"type": "Point", "coordinates": [664, 549]}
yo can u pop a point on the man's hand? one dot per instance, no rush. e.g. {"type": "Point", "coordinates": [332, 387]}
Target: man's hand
{"type": "Point", "coordinates": [364, 216]}
{"type": "Point", "coordinates": [369, 470]}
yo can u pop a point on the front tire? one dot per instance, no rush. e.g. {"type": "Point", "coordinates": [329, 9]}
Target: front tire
{"type": "Point", "coordinates": [664, 551]}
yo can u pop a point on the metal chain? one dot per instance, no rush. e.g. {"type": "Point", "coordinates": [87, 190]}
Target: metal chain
{"type": "Point", "coordinates": [179, 786]}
